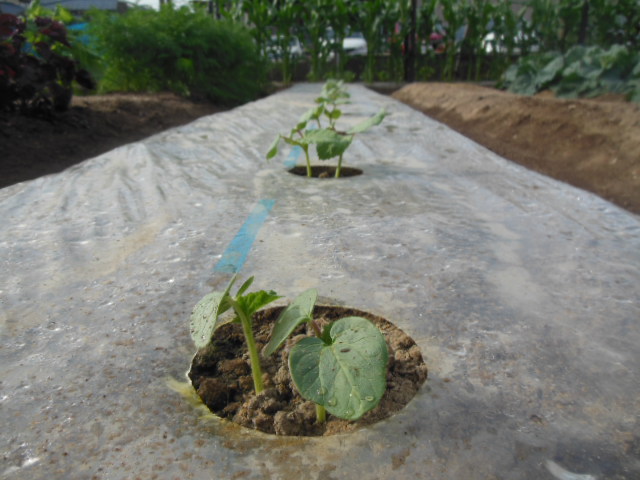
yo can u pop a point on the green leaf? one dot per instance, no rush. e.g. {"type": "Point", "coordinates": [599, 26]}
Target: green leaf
{"type": "Point", "coordinates": [329, 143]}
{"type": "Point", "coordinates": [549, 72]}
{"type": "Point", "coordinates": [273, 148]}
{"type": "Point", "coordinates": [295, 142]}
{"type": "Point", "coordinates": [299, 127]}
{"type": "Point", "coordinates": [206, 314]}
{"type": "Point", "coordinates": [300, 310]}
{"type": "Point", "coordinates": [254, 301]}
{"type": "Point", "coordinates": [311, 114]}
{"type": "Point", "coordinates": [64, 15]}
{"type": "Point", "coordinates": [327, 150]}
{"type": "Point", "coordinates": [245, 286]}
{"type": "Point", "coordinates": [369, 122]}
{"type": "Point", "coordinates": [346, 375]}
{"type": "Point", "coordinates": [334, 114]}
{"type": "Point", "coordinates": [634, 96]}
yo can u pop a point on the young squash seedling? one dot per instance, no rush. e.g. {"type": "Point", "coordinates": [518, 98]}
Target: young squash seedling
{"type": "Point", "coordinates": [206, 319]}
{"type": "Point", "coordinates": [342, 369]}
{"type": "Point", "coordinates": [330, 142]}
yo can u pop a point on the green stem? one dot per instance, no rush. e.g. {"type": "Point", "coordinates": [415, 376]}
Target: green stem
{"type": "Point", "coordinates": [339, 166]}
{"type": "Point", "coordinates": [306, 154]}
{"type": "Point", "coordinates": [321, 414]}
{"type": "Point", "coordinates": [254, 357]}
{"type": "Point", "coordinates": [316, 328]}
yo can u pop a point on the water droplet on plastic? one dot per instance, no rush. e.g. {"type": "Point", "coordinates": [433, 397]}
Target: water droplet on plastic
{"type": "Point", "coordinates": [369, 398]}
{"type": "Point", "coordinates": [332, 402]}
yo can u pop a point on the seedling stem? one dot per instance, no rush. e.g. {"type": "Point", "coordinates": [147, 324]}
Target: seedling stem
{"type": "Point", "coordinates": [254, 357]}
{"type": "Point", "coordinates": [321, 414]}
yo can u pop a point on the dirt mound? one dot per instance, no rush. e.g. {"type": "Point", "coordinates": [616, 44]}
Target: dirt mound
{"type": "Point", "coordinates": [590, 144]}
{"type": "Point", "coordinates": [35, 146]}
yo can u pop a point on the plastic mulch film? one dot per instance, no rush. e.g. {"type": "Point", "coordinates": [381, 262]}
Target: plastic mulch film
{"type": "Point", "coordinates": [522, 292]}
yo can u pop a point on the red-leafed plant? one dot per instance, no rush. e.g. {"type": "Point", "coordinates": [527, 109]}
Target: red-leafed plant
{"type": "Point", "coordinates": [37, 70]}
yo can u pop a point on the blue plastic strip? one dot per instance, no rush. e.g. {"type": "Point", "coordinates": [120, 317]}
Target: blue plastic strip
{"type": "Point", "coordinates": [293, 156]}
{"type": "Point", "coordinates": [236, 253]}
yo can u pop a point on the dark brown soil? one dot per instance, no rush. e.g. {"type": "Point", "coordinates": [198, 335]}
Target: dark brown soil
{"type": "Point", "coordinates": [321, 171]}
{"type": "Point", "coordinates": [36, 146]}
{"type": "Point", "coordinates": [224, 383]}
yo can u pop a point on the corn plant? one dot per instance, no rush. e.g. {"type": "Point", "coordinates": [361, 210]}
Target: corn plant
{"type": "Point", "coordinates": [259, 15]}
{"type": "Point", "coordinates": [370, 19]}
{"type": "Point", "coordinates": [479, 21]}
{"type": "Point", "coordinates": [285, 23]}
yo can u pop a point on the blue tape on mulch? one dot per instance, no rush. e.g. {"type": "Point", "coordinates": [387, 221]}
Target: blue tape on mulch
{"type": "Point", "coordinates": [236, 253]}
{"type": "Point", "coordinates": [293, 156]}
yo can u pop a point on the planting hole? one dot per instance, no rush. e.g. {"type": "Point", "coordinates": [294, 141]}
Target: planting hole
{"type": "Point", "coordinates": [321, 171]}
{"type": "Point", "coordinates": [222, 379]}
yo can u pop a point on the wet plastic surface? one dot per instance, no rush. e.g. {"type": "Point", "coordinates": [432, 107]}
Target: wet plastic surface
{"type": "Point", "coordinates": [523, 293]}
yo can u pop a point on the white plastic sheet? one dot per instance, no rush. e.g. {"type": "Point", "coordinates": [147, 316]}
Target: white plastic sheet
{"type": "Point", "coordinates": [521, 291]}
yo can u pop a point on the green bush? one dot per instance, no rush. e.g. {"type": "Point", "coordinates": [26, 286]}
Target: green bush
{"type": "Point", "coordinates": [178, 50]}
{"type": "Point", "coordinates": [581, 72]}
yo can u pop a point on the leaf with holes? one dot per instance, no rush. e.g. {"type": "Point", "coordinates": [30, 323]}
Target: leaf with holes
{"type": "Point", "coordinates": [206, 315]}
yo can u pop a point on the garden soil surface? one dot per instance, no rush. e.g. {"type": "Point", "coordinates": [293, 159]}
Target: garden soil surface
{"type": "Point", "coordinates": [223, 380]}
{"type": "Point", "coordinates": [591, 144]}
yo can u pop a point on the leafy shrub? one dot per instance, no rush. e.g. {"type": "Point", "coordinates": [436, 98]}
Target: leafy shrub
{"type": "Point", "coordinates": [179, 50]}
{"type": "Point", "coordinates": [581, 72]}
{"type": "Point", "coordinates": [37, 68]}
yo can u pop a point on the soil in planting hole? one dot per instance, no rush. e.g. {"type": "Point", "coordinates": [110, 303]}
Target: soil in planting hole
{"type": "Point", "coordinates": [221, 374]}
{"type": "Point", "coordinates": [321, 171]}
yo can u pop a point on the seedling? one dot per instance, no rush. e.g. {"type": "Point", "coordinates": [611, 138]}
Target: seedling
{"type": "Point", "coordinates": [332, 95]}
{"type": "Point", "coordinates": [206, 319]}
{"type": "Point", "coordinates": [329, 141]}
{"type": "Point", "coordinates": [342, 369]}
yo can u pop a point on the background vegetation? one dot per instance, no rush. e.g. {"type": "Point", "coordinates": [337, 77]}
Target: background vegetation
{"type": "Point", "coordinates": [222, 50]}
{"type": "Point", "coordinates": [179, 50]}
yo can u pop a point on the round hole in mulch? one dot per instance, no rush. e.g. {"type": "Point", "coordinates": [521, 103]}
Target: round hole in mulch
{"type": "Point", "coordinates": [321, 171]}
{"type": "Point", "coordinates": [221, 375]}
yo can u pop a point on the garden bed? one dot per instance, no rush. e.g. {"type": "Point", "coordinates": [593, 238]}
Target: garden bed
{"type": "Point", "coordinates": [591, 144]}
{"type": "Point", "coordinates": [520, 292]}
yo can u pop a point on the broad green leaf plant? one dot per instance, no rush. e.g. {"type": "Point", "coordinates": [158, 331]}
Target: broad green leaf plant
{"type": "Point", "coordinates": [206, 319]}
{"type": "Point", "coordinates": [330, 142]}
{"type": "Point", "coordinates": [342, 369]}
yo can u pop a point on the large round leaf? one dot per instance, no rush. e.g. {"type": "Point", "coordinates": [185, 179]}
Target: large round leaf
{"type": "Point", "coordinates": [347, 373]}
